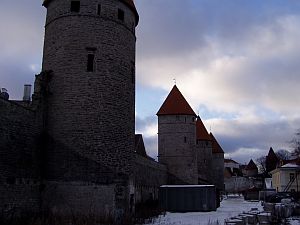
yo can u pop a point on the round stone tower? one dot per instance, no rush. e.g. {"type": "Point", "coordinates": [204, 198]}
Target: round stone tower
{"type": "Point", "coordinates": [177, 138]}
{"type": "Point", "coordinates": [89, 50]}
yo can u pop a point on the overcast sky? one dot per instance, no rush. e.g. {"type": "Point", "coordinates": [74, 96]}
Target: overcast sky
{"type": "Point", "coordinates": [237, 62]}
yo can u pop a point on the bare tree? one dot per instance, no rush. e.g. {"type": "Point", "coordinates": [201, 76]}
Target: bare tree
{"type": "Point", "coordinates": [295, 143]}
{"type": "Point", "coordinates": [283, 154]}
{"type": "Point", "coordinates": [261, 164]}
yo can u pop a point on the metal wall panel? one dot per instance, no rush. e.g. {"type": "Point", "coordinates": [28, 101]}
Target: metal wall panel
{"type": "Point", "coordinates": [188, 198]}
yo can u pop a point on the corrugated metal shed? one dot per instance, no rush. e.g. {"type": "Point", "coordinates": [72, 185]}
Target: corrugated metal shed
{"type": "Point", "coordinates": [188, 198]}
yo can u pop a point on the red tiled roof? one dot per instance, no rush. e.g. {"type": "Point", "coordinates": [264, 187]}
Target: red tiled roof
{"type": "Point", "coordinates": [251, 166]}
{"type": "Point", "coordinates": [230, 161]}
{"type": "Point", "coordinates": [201, 131]}
{"type": "Point", "coordinates": [130, 4]}
{"type": "Point", "coordinates": [175, 104]}
{"type": "Point", "coordinates": [216, 148]}
{"type": "Point", "coordinates": [291, 161]}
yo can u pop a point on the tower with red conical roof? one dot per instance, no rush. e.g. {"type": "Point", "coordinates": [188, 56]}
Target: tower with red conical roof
{"type": "Point", "coordinates": [176, 137]}
{"type": "Point", "coordinates": [204, 152]}
{"type": "Point", "coordinates": [217, 163]}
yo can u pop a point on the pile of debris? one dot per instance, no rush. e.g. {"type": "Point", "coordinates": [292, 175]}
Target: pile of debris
{"type": "Point", "coordinates": [273, 213]}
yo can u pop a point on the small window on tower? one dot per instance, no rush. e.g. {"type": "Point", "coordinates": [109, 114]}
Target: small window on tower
{"type": "Point", "coordinates": [75, 6]}
{"type": "Point", "coordinates": [90, 63]}
{"type": "Point", "coordinates": [121, 14]}
{"type": "Point", "coordinates": [98, 9]}
{"type": "Point", "coordinates": [184, 139]}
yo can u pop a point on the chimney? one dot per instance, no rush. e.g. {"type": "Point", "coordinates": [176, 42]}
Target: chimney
{"type": "Point", "coordinates": [27, 92]}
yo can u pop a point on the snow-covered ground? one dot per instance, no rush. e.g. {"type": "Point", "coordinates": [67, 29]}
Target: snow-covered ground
{"type": "Point", "coordinates": [294, 221]}
{"type": "Point", "coordinates": [230, 207]}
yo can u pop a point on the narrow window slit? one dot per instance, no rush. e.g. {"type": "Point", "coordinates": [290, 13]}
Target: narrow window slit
{"type": "Point", "coordinates": [99, 9]}
{"type": "Point", "coordinates": [90, 62]}
{"type": "Point", "coordinates": [121, 14]}
{"type": "Point", "coordinates": [75, 6]}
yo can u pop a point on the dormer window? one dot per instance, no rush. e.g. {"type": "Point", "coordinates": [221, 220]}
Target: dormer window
{"type": "Point", "coordinates": [121, 14]}
{"type": "Point", "coordinates": [75, 6]}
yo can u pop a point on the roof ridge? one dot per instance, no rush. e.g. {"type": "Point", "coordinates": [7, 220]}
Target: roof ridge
{"type": "Point", "coordinates": [175, 104]}
{"type": "Point", "coordinates": [216, 147]}
{"type": "Point", "coordinates": [201, 131]}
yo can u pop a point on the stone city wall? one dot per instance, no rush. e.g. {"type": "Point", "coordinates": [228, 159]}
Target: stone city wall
{"type": "Point", "coordinates": [19, 168]}
{"type": "Point", "coordinates": [149, 176]}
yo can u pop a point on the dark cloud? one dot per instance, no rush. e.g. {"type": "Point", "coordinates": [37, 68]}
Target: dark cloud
{"type": "Point", "coordinates": [151, 144]}
{"type": "Point", "coordinates": [177, 27]}
{"type": "Point", "coordinates": [141, 124]}
{"type": "Point", "coordinates": [244, 139]}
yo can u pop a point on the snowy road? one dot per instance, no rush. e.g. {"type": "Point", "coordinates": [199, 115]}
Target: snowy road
{"type": "Point", "coordinates": [231, 206]}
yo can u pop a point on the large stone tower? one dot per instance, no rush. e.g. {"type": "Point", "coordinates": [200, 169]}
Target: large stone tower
{"type": "Point", "coordinates": [89, 119]}
{"type": "Point", "coordinates": [90, 47]}
{"type": "Point", "coordinates": [177, 137]}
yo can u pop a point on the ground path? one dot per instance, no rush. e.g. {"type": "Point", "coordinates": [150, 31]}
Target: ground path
{"type": "Point", "coordinates": [230, 207]}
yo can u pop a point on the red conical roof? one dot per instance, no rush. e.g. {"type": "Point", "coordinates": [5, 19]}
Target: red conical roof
{"type": "Point", "coordinates": [216, 148]}
{"type": "Point", "coordinates": [175, 104]}
{"type": "Point", "coordinates": [201, 131]}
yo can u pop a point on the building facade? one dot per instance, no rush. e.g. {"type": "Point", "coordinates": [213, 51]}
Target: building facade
{"type": "Point", "coordinates": [286, 178]}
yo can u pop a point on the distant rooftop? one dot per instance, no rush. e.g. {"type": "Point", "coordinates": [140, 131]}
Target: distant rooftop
{"type": "Point", "coordinates": [230, 161]}
{"type": "Point", "coordinates": [216, 147]}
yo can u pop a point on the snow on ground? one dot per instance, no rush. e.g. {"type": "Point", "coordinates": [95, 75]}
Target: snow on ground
{"type": "Point", "coordinates": [294, 221]}
{"type": "Point", "coordinates": [230, 207]}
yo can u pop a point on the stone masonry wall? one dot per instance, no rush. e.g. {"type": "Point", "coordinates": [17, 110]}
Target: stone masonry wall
{"type": "Point", "coordinates": [177, 146]}
{"type": "Point", "coordinates": [204, 161]}
{"type": "Point", "coordinates": [91, 113]}
{"type": "Point", "coordinates": [79, 198]}
{"type": "Point", "coordinates": [19, 168]}
{"type": "Point", "coordinates": [218, 170]}
{"type": "Point", "coordinates": [149, 176]}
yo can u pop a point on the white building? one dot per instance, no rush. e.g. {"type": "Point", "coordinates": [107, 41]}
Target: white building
{"type": "Point", "coordinates": [286, 178]}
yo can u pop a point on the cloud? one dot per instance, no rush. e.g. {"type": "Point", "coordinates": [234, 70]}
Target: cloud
{"type": "Point", "coordinates": [261, 71]}
{"type": "Point", "coordinates": [236, 64]}
{"type": "Point", "coordinates": [148, 127]}
{"type": "Point", "coordinates": [21, 41]}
